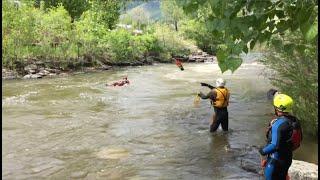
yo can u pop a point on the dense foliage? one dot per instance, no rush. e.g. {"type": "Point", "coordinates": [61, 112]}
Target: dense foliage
{"type": "Point", "coordinates": [240, 24]}
{"type": "Point", "coordinates": [48, 33]}
{"type": "Point", "coordinates": [295, 63]}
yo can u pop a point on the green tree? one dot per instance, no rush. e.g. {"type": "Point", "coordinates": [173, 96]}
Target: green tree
{"type": "Point", "coordinates": [18, 21]}
{"type": "Point", "coordinates": [107, 12]}
{"type": "Point", "coordinates": [172, 12]}
{"type": "Point", "coordinates": [74, 7]}
{"type": "Point", "coordinates": [296, 65]}
{"type": "Point", "coordinates": [240, 24]}
{"type": "Point", "coordinates": [139, 17]}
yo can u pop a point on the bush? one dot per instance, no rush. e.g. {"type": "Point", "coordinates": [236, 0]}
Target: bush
{"type": "Point", "coordinates": [201, 35]}
{"type": "Point", "coordinates": [171, 42]}
{"type": "Point", "coordinates": [295, 61]}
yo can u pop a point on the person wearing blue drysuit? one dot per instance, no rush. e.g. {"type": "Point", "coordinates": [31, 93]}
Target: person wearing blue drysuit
{"type": "Point", "coordinates": [279, 149]}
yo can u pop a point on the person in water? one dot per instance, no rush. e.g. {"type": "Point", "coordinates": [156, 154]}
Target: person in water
{"type": "Point", "coordinates": [219, 97]}
{"type": "Point", "coordinates": [281, 139]}
{"type": "Point", "coordinates": [179, 64]}
{"type": "Point", "coordinates": [120, 82]}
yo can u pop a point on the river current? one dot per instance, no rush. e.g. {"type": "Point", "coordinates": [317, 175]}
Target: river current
{"type": "Point", "coordinates": [76, 127]}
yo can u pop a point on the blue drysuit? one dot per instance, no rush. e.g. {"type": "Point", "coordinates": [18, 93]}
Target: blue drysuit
{"type": "Point", "coordinates": [278, 150]}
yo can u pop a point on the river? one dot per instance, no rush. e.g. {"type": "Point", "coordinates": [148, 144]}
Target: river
{"type": "Point", "coordinates": [76, 127]}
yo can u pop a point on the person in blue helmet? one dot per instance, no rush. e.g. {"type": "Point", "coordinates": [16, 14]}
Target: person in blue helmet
{"type": "Point", "coordinates": [280, 143]}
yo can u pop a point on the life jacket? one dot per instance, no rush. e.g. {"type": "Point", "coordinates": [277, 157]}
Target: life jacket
{"type": "Point", "coordinates": [296, 137]}
{"type": "Point", "coordinates": [178, 63]}
{"type": "Point", "coordinates": [222, 97]}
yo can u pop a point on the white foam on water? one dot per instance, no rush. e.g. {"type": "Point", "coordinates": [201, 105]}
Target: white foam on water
{"type": "Point", "coordinates": [113, 153]}
{"type": "Point", "coordinates": [19, 99]}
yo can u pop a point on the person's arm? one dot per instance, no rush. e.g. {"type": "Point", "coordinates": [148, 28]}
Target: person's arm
{"type": "Point", "coordinates": [211, 95]}
{"type": "Point", "coordinates": [208, 85]}
{"type": "Point", "coordinates": [276, 136]}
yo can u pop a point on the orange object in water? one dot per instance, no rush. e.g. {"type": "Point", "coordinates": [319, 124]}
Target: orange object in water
{"type": "Point", "coordinates": [179, 64]}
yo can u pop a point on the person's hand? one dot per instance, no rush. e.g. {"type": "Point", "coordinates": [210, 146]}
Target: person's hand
{"type": "Point", "coordinates": [263, 163]}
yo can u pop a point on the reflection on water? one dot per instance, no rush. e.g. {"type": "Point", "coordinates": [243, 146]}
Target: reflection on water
{"type": "Point", "coordinates": [75, 127]}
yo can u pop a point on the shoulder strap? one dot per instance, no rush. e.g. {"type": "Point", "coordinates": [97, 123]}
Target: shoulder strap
{"type": "Point", "coordinates": [225, 99]}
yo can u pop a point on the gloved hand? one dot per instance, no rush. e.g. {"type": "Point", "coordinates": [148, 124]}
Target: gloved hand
{"type": "Point", "coordinates": [204, 84]}
{"type": "Point", "coordinates": [263, 163]}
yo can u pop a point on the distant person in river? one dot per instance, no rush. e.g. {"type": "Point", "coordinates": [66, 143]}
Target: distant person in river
{"type": "Point", "coordinates": [219, 97]}
{"type": "Point", "coordinates": [284, 135]}
{"type": "Point", "coordinates": [122, 82]}
{"type": "Point", "coordinates": [179, 64]}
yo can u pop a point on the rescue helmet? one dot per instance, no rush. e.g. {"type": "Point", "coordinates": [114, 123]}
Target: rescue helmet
{"type": "Point", "coordinates": [220, 82]}
{"type": "Point", "coordinates": [283, 103]}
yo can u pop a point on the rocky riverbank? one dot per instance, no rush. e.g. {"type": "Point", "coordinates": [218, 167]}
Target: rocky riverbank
{"type": "Point", "coordinates": [38, 69]}
{"type": "Point", "coordinates": [299, 170]}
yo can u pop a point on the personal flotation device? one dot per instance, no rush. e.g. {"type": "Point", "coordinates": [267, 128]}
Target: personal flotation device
{"type": "Point", "coordinates": [296, 137]}
{"type": "Point", "coordinates": [222, 97]}
{"type": "Point", "coordinates": [179, 64]}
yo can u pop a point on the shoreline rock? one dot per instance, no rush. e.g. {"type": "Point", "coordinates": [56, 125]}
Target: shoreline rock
{"type": "Point", "coordinates": [299, 170]}
{"type": "Point", "coordinates": [302, 170]}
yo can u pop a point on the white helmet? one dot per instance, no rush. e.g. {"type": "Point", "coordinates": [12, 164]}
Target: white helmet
{"type": "Point", "coordinates": [220, 82]}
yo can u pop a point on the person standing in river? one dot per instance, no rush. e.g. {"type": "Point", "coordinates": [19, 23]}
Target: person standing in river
{"type": "Point", "coordinates": [283, 137]}
{"type": "Point", "coordinates": [219, 97]}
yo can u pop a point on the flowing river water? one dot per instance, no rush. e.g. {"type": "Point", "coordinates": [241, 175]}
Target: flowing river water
{"type": "Point", "coordinates": [76, 127]}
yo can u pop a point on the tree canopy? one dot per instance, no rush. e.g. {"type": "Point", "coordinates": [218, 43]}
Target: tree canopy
{"type": "Point", "coordinates": [240, 24]}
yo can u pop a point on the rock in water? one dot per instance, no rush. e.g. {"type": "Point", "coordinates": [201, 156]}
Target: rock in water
{"type": "Point", "coordinates": [301, 170]}
{"type": "Point", "coordinates": [113, 153]}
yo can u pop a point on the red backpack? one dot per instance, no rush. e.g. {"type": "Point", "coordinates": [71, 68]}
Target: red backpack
{"type": "Point", "coordinates": [296, 136]}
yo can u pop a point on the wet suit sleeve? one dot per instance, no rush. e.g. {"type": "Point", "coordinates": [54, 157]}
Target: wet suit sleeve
{"type": "Point", "coordinates": [208, 85]}
{"type": "Point", "coordinates": [276, 136]}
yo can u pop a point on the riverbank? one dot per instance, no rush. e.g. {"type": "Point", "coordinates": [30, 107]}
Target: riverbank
{"type": "Point", "coordinates": [36, 69]}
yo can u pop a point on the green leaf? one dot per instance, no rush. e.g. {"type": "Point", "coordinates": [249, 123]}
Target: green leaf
{"type": "Point", "coordinates": [245, 49]}
{"type": "Point", "coordinates": [303, 15]}
{"type": "Point", "coordinates": [282, 26]}
{"type": "Point", "coordinates": [223, 66]}
{"type": "Point", "coordinates": [234, 63]}
{"type": "Point", "coordinates": [312, 32]}
{"type": "Point", "coordinates": [237, 48]}
{"type": "Point", "coordinates": [222, 57]}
